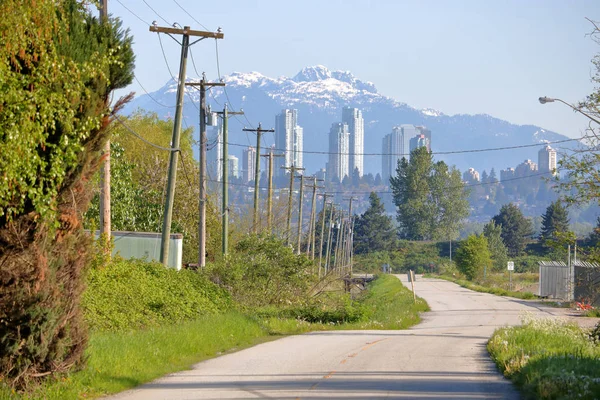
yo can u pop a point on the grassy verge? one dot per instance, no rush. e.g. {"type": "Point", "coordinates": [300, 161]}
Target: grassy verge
{"type": "Point", "coordinates": [548, 359]}
{"type": "Point", "coordinates": [121, 360]}
{"type": "Point", "coordinates": [487, 289]}
{"type": "Point", "coordinates": [118, 361]}
{"type": "Point", "coordinates": [595, 313]}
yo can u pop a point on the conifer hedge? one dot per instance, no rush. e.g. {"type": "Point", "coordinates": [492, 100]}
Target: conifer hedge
{"type": "Point", "coordinates": [58, 65]}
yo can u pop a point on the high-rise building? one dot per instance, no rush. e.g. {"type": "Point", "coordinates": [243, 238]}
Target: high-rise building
{"type": "Point", "coordinates": [288, 140]}
{"type": "Point", "coordinates": [214, 153]}
{"type": "Point", "coordinates": [471, 176]}
{"type": "Point", "coordinates": [547, 160]}
{"type": "Point", "coordinates": [233, 165]}
{"type": "Point", "coordinates": [356, 127]}
{"type": "Point", "coordinates": [339, 142]}
{"type": "Point", "coordinates": [419, 141]}
{"type": "Point", "coordinates": [507, 174]}
{"type": "Point", "coordinates": [392, 149]}
{"type": "Point", "coordinates": [408, 132]}
{"type": "Point", "coordinates": [526, 168]}
{"type": "Point", "coordinates": [427, 132]}
{"type": "Point", "coordinates": [248, 164]}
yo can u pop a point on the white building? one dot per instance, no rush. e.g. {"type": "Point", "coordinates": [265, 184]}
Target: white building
{"type": "Point", "coordinates": [214, 153]}
{"type": "Point", "coordinates": [288, 140]}
{"type": "Point", "coordinates": [248, 164]}
{"type": "Point", "coordinates": [339, 143]}
{"type": "Point", "coordinates": [547, 160]}
{"type": "Point", "coordinates": [233, 165]}
{"type": "Point", "coordinates": [471, 176]}
{"type": "Point", "coordinates": [392, 149]}
{"type": "Point", "coordinates": [356, 127]}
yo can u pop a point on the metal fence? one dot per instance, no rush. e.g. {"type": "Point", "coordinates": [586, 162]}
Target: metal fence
{"type": "Point", "coordinates": [556, 280]}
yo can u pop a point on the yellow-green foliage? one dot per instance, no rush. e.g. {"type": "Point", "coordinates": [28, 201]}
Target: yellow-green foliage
{"type": "Point", "coordinates": [135, 294]}
{"type": "Point", "coordinates": [548, 359]}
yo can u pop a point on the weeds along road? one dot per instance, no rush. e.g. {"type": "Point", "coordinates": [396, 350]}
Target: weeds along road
{"type": "Point", "coordinates": [444, 357]}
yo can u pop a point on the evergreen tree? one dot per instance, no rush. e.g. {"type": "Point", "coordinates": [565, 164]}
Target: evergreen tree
{"type": "Point", "coordinates": [59, 67]}
{"type": "Point", "coordinates": [431, 201]}
{"type": "Point", "coordinates": [473, 256]}
{"type": "Point", "coordinates": [515, 228]}
{"type": "Point", "coordinates": [498, 252]}
{"type": "Point", "coordinates": [492, 178]}
{"type": "Point", "coordinates": [356, 177]}
{"type": "Point", "coordinates": [484, 177]}
{"type": "Point", "coordinates": [378, 181]}
{"type": "Point", "coordinates": [554, 221]}
{"type": "Point", "coordinates": [373, 229]}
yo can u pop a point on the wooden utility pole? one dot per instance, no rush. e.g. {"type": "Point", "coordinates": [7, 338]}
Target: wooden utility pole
{"type": "Point", "coordinates": [300, 207]}
{"type": "Point", "coordinates": [271, 155]}
{"type": "Point", "coordinates": [328, 251]}
{"type": "Point", "coordinates": [202, 197]}
{"type": "Point", "coordinates": [225, 179]}
{"type": "Point", "coordinates": [259, 131]}
{"type": "Point", "coordinates": [323, 212]}
{"type": "Point", "coordinates": [174, 157]}
{"type": "Point", "coordinates": [288, 231]}
{"type": "Point", "coordinates": [351, 230]}
{"type": "Point", "coordinates": [310, 248]}
{"type": "Point", "coordinates": [105, 214]}
{"type": "Point", "coordinates": [338, 241]}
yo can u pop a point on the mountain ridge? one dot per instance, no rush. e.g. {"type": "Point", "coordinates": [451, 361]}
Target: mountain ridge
{"type": "Point", "coordinates": [319, 95]}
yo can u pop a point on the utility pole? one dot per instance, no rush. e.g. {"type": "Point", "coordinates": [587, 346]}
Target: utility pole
{"type": "Point", "coordinates": [202, 197]}
{"type": "Point", "coordinates": [323, 212]}
{"type": "Point", "coordinates": [174, 157]}
{"type": "Point", "coordinates": [259, 131]}
{"type": "Point", "coordinates": [301, 203]}
{"type": "Point", "coordinates": [105, 214]}
{"type": "Point", "coordinates": [351, 232]}
{"type": "Point", "coordinates": [338, 241]}
{"type": "Point", "coordinates": [270, 156]}
{"type": "Point", "coordinates": [225, 206]}
{"type": "Point", "coordinates": [310, 248]}
{"type": "Point", "coordinates": [288, 231]}
{"type": "Point", "coordinates": [351, 245]}
{"type": "Point", "coordinates": [328, 251]}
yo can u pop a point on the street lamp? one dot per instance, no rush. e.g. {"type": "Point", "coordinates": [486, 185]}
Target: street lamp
{"type": "Point", "coordinates": [544, 100]}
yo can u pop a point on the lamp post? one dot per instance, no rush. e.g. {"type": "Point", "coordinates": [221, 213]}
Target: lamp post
{"type": "Point", "coordinates": [544, 100]}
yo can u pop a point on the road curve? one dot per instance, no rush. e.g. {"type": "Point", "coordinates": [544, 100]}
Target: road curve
{"type": "Point", "coordinates": [444, 357]}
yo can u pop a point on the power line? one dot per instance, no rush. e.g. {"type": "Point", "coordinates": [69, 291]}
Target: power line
{"type": "Point", "coordinates": [433, 152]}
{"type": "Point", "coordinates": [149, 95]}
{"type": "Point", "coordinates": [349, 192]}
{"type": "Point", "coordinates": [134, 14]}
{"type": "Point", "coordinates": [153, 10]}
{"type": "Point", "coordinates": [190, 15]}
{"type": "Point", "coordinates": [225, 87]}
{"type": "Point", "coordinates": [134, 133]}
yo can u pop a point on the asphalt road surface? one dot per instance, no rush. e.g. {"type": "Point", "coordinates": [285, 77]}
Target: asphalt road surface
{"type": "Point", "coordinates": [443, 357]}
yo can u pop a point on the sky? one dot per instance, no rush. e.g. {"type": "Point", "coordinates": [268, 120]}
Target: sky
{"type": "Point", "coordinates": [458, 57]}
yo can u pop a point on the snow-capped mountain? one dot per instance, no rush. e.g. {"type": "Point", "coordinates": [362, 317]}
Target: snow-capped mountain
{"type": "Point", "coordinates": [319, 95]}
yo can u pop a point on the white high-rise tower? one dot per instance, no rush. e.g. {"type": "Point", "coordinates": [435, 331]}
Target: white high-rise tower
{"type": "Point", "coordinates": [339, 140]}
{"type": "Point", "coordinates": [356, 127]}
{"type": "Point", "coordinates": [288, 140]}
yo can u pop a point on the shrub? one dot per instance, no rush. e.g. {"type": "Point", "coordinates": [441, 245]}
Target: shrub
{"type": "Point", "coordinates": [262, 270]}
{"type": "Point", "coordinates": [57, 72]}
{"type": "Point", "coordinates": [134, 294]}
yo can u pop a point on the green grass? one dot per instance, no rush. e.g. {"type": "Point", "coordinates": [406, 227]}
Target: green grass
{"type": "Point", "coordinates": [548, 359]}
{"type": "Point", "coordinates": [595, 313]}
{"type": "Point", "coordinates": [121, 360]}
{"type": "Point", "coordinates": [488, 287]}
{"type": "Point", "coordinates": [118, 361]}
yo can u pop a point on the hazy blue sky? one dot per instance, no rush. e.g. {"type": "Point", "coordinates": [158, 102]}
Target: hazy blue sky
{"type": "Point", "coordinates": [459, 57]}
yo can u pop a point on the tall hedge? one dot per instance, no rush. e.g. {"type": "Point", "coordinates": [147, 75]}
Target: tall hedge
{"type": "Point", "coordinates": [58, 65]}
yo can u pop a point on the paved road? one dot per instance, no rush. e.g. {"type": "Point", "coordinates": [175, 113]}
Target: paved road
{"type": "Point", "coordinates": [444, 357]}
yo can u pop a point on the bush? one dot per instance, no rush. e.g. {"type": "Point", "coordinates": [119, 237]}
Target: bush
{"type": "Point", "coordinates": [135, 294]}
{"type": "Point", "coordinates": [262, 271]}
